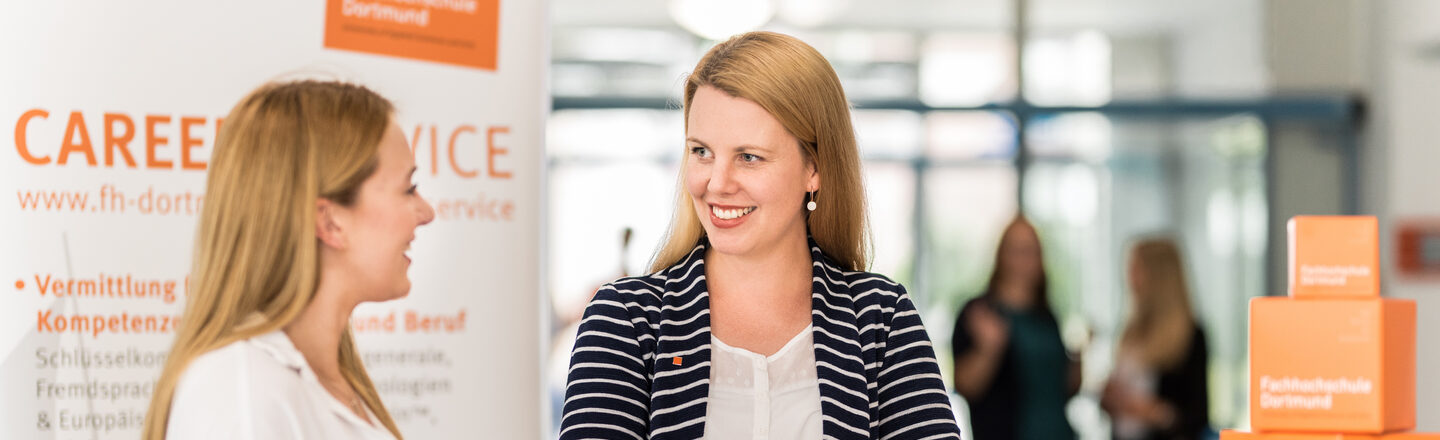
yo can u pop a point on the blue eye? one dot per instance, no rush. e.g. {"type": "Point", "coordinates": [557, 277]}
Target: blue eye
{"type": "Point", "coordinates": [747, 157]}
{"type": "Point", "coordinates": [702, 152]}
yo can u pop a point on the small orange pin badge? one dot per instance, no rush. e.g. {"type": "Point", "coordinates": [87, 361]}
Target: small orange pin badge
{"type": "Point", "coordinates": [675, 361]}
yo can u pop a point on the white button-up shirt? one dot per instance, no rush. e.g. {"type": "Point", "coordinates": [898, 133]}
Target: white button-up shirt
{"type": "Point", "coordinates": [759, 397]}
{"type": "Point", "coordinates": [261, 388]}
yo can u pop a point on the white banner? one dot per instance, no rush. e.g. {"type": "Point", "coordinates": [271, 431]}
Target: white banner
{"type": "Point", "coordinates": [109, 112]}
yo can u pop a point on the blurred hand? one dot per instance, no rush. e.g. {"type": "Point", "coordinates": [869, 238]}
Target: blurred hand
{"type": "Point", "coordinates": [1118, 399]}
{"type": "Point", "coordinates": [990, 330]}
{"type": "Point", "coordinates": [1112, 398]}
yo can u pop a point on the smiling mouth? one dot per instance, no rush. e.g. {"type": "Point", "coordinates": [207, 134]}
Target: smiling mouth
{"type": "Point", "coordinates": [730, 214]}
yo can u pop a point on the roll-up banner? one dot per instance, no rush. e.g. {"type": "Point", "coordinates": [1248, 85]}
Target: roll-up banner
{"type": "Point", "coordinates": [109, 112]}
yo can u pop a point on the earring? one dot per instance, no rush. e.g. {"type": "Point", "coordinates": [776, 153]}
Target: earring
{"type": "Point", "coordinates": [810, 205]}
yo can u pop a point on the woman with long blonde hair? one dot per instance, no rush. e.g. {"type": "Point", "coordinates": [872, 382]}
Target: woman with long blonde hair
{"type": "Point", "coordinates": [309, 211]}
{"type": "Point", "coordinates": [759, 320]}
{"type": "Point", "coordinates": [1159, 389]}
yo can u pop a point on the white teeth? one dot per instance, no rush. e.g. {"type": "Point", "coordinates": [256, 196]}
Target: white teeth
{"type": "Point", "coordinates": [730, 214]}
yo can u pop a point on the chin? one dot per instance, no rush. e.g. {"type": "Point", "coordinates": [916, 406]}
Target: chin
{"type": "Point", "coordinates": [402, 293]}
{"type": "Point", "coordinates": [394, 294]}
{"type": "Point", "coordinates": [730, 243]}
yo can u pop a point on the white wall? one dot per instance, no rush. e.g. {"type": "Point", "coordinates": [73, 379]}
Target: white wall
{"type": "Point", "coordinates": [1400, 163]}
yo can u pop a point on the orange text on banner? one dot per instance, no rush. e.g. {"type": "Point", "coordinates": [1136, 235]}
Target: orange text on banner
{"type": "Point", "coordinates": [459, 32]}
{"type": "Point", "coordinates": [411, 321]}
{"type": "Point", "coordinates": [48, 321]}
{"type": "Point", "coordinates": [118, 140]}
{"type": "Point", "coordinates": [463, 153]}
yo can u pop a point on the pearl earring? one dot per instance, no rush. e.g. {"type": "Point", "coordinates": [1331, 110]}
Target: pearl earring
{"type": "Point", "coordinates": [811, 205]}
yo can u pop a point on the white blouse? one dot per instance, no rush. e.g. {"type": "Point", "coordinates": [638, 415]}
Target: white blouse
{"type": "Point", "coordinates": [1136, 381]}
{"type": "Point", "coordinates": [761, 397]}
{"type": "Point", "coordinates": [261, 388]}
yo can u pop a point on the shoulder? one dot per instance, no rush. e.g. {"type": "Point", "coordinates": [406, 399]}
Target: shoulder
{"type": "Point", "coordinates": [629, 296]}
{"type": "Point", "coordinates": [245, 368]}
{"type": "Point", "coordinates": [238, 363]}
{"type": "Point", "coordinates": [880, 302]}
{"type": "Point", "coordinates": [977, 301]}
{"type": "Point", "coordinates": [649, 291]}
{"type": "Point", "coordinates": [627, 307]}
{"type": "Point", "coordinates": [239, 386]}
{"type": "Point", "coordinates": [869, 288]}
{"type": "Point", "coordinates": [1197, 340]}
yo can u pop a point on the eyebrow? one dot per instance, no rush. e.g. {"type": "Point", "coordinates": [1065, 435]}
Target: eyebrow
{"type": "Point", "coordinates": [742, 148]}
{"type": "Point", "coordinates": [411, 174]}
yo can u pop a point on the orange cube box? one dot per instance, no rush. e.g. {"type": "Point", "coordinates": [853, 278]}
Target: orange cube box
{"type": "Point", "coordinates": [1334, 256]}
{"type": "Point", "coordinates": [1242, 435]}
{"type": "Point", "coordinates": [1332, 365]}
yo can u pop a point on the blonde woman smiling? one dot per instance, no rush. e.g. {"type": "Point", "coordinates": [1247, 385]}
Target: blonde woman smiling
{"type": "Point", "coordinates": [309, 211]}
{"type": "Point", "coordinates": [758, 320]}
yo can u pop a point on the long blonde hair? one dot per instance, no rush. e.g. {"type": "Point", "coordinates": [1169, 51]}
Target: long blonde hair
{"type": "Point", "coordinates": [1161, 323]}
{"type": "Point", "coordinates": [282, 148]}
{"type": "Point", "coordinates": [796, 85]}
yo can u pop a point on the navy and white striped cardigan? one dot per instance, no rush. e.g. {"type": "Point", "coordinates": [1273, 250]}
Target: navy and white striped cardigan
{"type": "Point", "coordinates": [641, 364]}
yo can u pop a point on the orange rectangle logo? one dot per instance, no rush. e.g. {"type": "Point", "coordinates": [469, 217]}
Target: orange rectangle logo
{"type": "Point", "coordinates": [459, 32]}
{"type": "Point", "coordinates": [1334, 256]}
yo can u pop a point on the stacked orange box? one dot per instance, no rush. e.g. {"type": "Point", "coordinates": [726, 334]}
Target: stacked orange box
{"type": "Point", "coordinates": [1334, 360]}
{"type": "Point", "coordinates": [1238, 435]}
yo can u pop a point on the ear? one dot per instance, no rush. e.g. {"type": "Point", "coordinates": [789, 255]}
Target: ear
{"type": "Point", "coordinates": [328, 223]}
{"type": "Point", "coordinates": [812, 177]}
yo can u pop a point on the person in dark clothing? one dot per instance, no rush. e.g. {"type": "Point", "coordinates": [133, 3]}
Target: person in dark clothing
{"type": "Point", "coordinates": [1010, 364]}
{"type": "Point", "coordinates": [1158, 389]}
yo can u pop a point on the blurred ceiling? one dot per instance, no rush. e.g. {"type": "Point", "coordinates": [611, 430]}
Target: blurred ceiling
{"type": "Point", "coordinates": [1112, 16]}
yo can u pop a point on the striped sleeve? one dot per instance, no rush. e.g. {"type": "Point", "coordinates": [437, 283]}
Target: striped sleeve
{"type": "Point", "coordinates": [913, 403]}
{"type": "Point", "coordinates": [607, 395]}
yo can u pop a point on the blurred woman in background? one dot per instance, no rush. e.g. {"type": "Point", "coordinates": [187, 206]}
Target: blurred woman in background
{"type": "Point", "coordinates": [1010, 364]}
{"type": "Point", "coordinates": [1158, 389]}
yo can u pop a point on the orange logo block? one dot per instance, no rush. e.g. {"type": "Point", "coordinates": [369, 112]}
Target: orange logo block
{"type": "Point", "coordinates": [460, 32]}
{"type": "Point", "coordinates": [1332, 365]}
{"type": "Point", "coordinates": [1240, 435]}
{"type": "Point", "coordinates": [1334, 256]}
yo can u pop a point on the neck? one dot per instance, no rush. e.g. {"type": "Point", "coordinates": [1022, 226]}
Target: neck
{"type": "Point", "coordinates": [317, 331]}
{"type": "Point", "coordinates": [1016, 294]}
{"type": "Point", "coordinates": [767, 272]}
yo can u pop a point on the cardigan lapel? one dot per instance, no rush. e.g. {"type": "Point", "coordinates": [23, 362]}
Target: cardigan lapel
{"type": "Point", "coordinates": [684, 333]}
{"type": "Point", "coordinates": [844, 395]}
{"type": "Point", "coordinates": [682, 351]}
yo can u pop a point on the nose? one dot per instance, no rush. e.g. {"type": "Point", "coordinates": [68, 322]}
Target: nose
{"type": "Point", "coordinates": [427, 212]}
{"type": "Point", "coordinates": [722, 180]}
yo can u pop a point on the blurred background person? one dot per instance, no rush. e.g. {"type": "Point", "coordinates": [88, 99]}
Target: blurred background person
{"type": "Point", "coordinates": [1010, 364]}
{"type": "Point", "coordinates": [1158, 389]}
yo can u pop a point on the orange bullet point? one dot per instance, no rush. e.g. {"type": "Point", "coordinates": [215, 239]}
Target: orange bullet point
{"type": "Point", "coordinates": [19, 285]}
{"type": "Point", "coordinates": [675, 361]}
